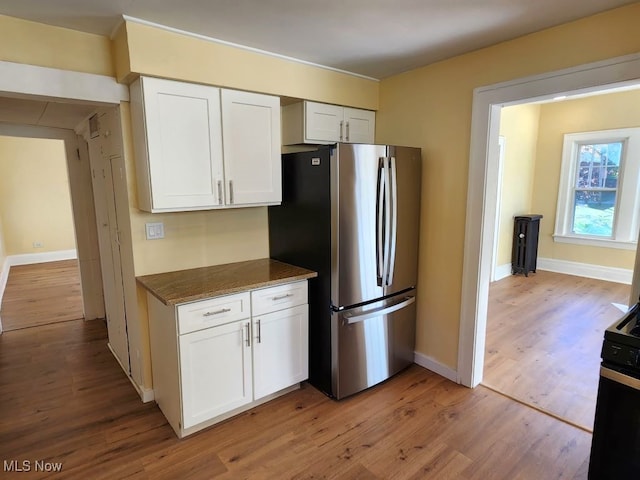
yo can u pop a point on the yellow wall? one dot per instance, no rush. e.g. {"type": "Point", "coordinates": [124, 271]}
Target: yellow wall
{"type": "Point", "coordinates": [3, 255]}
{"type": "Point", "coordinates": [604, 112]}
{"type": "Point", "coordinates": [141, 49]}
{"type": "Point", "coordinates": [22, 41]}
{"type": "Point", "coordinates": [35, 204]}
{"type": "Point", "coordinates": [430, 107]}
{"type": "Point", "coordinates": [519, 127]}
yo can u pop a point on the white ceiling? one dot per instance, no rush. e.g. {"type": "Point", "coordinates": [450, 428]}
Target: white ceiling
{"type": "Point", "coordinates": [375, 38]}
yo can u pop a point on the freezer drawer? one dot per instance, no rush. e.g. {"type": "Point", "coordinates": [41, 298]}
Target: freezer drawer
{"type": "Point", "coordinates": [373, 343]}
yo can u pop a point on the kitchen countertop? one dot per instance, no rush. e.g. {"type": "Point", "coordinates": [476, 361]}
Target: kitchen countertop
{"type": "Point", "coordinates": [183, 286]}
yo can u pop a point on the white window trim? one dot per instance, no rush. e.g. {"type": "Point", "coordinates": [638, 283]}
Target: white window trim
{"type": "Point", "coordinates": [625, 228]}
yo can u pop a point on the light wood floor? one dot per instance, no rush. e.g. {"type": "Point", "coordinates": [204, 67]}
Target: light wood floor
{"type": "Point", "coordinates": [544, 337]}
{"type": "Point", "coordinates": [63, 398]}
{"type": "Point", "coordinates": [40, 294]}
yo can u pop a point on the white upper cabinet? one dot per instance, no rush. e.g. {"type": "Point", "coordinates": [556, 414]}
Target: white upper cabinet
{"type": "Point", "coordinates": [251, 139]}
{"type": "Point", "coordinates": [319, 123]}
{"type": "Point", "coordinates": [178, 145]}
{"type": "Point", "coordinates": [179, 132]}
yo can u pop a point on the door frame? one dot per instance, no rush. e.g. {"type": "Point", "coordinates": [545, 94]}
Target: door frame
{"type": "Point", "coordinates": [482, 187]}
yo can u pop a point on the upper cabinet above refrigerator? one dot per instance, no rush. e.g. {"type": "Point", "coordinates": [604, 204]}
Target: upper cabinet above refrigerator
{"type": "Point", "coordinates": [320, 123]}
{"type": "Point", "coordinates": [199, 147]}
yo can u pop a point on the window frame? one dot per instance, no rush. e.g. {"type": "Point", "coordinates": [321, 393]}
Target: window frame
{"type": "Point", "coordinates": [626, 219]}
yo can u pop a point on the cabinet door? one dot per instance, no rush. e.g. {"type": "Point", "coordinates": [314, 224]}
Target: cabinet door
{"type": "Point", "coordinates": [323, 123]}
{"type": "Point", "coordinates": [215, 371]}
{"type": "Point", "coordinates": [184, 144]}
{"type": "Point", "coordinates": [280, 350]}
{"type": "Point", "coordinates": [359, 125]}
{"type": "Point", "coordinates": [251, 134]}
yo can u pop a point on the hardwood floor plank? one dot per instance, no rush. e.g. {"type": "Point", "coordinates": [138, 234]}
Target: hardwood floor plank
{"type": "Point", "coordinates": [65, 399]}
{"type": "Point", "coordinates": [41, 294]}
{"type": "Point", "coordinates": [544, 337]}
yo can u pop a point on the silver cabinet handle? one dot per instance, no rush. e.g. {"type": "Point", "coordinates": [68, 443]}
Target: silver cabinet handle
{"type": "Point", "coordinates": [280, 297]}
{"type": "Point", "coordinates": [230, 191]}
{"type": "Point", "coordinates": [341, 123]}
{"type": "Point", "coordinates": [259, 336]}
{"type": "Point", "coordinates": [347, 136]}
{"type": "Point", "coordinates": [216, 312]}
{"type": "Point", "coordinates": [219, 192]}
{"type": "Point", "coordinates": [248, 327]}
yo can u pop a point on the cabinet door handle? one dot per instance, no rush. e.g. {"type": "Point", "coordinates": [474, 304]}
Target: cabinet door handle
{"type": "Point", "coordinates": [230, 191]}
{"type": "Point", "coordinates": [248, 327]}
{"type": "Point", "coordinates": [280, 297]}
{"type": "Point", "coordinates": [219, 192]}
{"type": "Point", "coordinates": [347, 136]}
{"type": "Point", "coordinates": [259, 336]}
{"type": "Point", "coordinates": [216, 312]}
{"type": "Point", "coordinates": [341, 123]}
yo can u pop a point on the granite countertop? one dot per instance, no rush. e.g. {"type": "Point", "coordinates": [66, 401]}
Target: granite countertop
{"type": "Point", "coordinates": [184, 286]}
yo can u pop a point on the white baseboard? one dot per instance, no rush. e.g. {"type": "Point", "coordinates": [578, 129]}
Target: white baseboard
{"type": "Point", "coordinates": [4, 276]}
{"type": "Point", "coordinates": [610, 274]}
{"type": "Point", "coordinates": [146, 394]}
{"type": "Point", "coordinates": [30, 258]}
{"type": "Point", "coordinates": [502, 271]}
{"type": "Point", "coordinates": [436, 367]}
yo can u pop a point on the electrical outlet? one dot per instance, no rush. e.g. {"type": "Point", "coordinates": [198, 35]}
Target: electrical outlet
{"type": "Point", "coordinates": [38, 244]}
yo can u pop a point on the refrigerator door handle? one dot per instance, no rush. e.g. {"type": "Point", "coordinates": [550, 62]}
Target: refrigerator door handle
{"type": "Point", "coordinates": [350, 319]}
{"type": "Point", "coordinates": [393, 184]}
{"type": "Point", "coordinates": [387, 223]}
{"type": "Point", "coordinates": [380, 222]}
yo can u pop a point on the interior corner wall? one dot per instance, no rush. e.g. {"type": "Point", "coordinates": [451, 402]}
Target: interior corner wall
{"type": "Point", "coordinates": [519, 127]}
{"type": "Point", "coordinates": [35, 202]}
{"type": "Point", "coordinates": [431, 108]}
{"type": "Point", "coordinates": [602, 112]}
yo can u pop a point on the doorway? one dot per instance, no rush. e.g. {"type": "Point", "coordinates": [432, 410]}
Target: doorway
{"type": "Point", "coordinates": [483, 179]}
{"type": "Point", "coordinates": [550, 324]}
{"type": "Point", "coordinates": [38, 234]}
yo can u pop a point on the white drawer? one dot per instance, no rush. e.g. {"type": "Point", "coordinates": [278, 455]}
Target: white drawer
{"type": "Point", "coordinates": [212, 312]}
{"type": "Point", "coordinates": [278, 298]}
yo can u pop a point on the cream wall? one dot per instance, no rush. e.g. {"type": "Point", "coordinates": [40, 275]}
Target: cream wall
{"type": "Point", "coordinates": [3, 255]}
{"type": "Point", "coordinates": [145, 50]}
{"type": "Point", "coordinates": [35, 203]}
{"type": "Point", "coordinates": [430, 107]}
{"type": "Point", "coordinates": [519, 127]}
{"type": "Point", "coordinates": [22, 41]}
{"type": "Point", "coordinates": [604, 112]}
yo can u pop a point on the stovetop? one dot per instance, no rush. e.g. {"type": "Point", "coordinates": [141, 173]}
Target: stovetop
{"type": "Point", "coordinates": [627, 329]}
{"type": "Point", "coordinates": [621, 346]}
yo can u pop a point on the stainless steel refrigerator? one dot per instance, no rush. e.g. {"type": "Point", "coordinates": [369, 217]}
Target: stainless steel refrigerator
{"type": "Point", "coordinates": [351, 213]}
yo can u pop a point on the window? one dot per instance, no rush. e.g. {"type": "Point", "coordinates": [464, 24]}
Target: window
{"type": "Point", "coordinates": [598, 197]}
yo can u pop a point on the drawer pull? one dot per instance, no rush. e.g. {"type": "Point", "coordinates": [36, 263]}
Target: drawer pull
{"type": "Point", "coordinates": [280, 297]}
{"type": "Point", "coordinates": [217, 312]}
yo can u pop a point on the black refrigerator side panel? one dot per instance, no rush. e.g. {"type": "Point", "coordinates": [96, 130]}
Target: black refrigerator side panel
{"type": "Point", "coordinates": [300, 234]}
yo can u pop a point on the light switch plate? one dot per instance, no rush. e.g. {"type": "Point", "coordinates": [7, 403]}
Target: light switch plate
{"type": "Point", "coordinates": [154, 230]}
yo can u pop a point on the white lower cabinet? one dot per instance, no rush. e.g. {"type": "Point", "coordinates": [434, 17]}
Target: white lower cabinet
{"type": "Point", "coordinates": [215, 372]}
{"type": "Point", "coordinates": [280, 353]}
{"type": "Point", "coordinates": [227, 365]}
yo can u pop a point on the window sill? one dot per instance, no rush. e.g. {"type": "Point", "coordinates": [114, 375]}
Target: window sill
{"type": "Point", "coordinates": [595, 242]}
